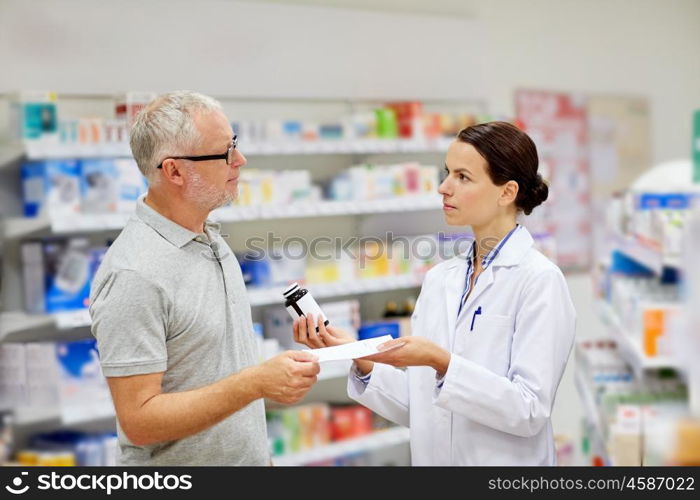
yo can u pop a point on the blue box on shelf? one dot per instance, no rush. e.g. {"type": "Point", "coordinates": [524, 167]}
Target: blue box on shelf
{"type": "Point", "coordinates": [372, 330]}
{"type": "Point", "coordinates": [256, 272]}
{"type": "Point", "coordinates": [51, 183]}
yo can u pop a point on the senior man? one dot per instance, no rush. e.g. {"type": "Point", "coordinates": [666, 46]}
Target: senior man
{"type": "Point", "coordinates": [169, 307]}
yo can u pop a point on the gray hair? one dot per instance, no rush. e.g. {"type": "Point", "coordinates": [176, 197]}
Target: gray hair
{"type": "Point", "coordinates": [166, 127]}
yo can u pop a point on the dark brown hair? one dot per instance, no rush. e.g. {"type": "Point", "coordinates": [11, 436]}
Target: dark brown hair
{"type": "Point", "coordinates": [511, 156]}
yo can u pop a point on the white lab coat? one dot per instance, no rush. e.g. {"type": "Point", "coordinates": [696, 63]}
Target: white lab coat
{"type": "Point", "coordinates": [497, 395]}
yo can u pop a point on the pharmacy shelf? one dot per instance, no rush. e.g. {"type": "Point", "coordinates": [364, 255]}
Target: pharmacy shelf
{"type": "Point", "coordinates": [374, 441]}
{"type": "Point", "coordinates": [328, 208]}
{"type": "Point", "coordinates": [16, 228]}
{"type": "Point", "coordinates": [630, 348]}
{"type": "Point", "coordinates": [646, 252]}
{"type": "Point", "coordinates": [344, 146]}
{"type": "Point", "coordinates": [21, 228]}
{"type": "Point", "coordinates": [38, 150]}
{"type": "Point", "coordinates": [72, 319]}
{"type": "Point", "coordinates": [10, 153]}
{"type": "Point", "coordinates": [268, 296]}
{"type": "Point", "coordinates": [14, 325]}
{"type": "Point", "coordinates": [18, 326]}
{"type": "Point", "coordinates": [26, 416]}
{"type": "Point", "coordinates": [36, 415]}
{"type": "Point", "coordinates": [41, 151]}
{"type": "Point", "coordinates": [591, 413]}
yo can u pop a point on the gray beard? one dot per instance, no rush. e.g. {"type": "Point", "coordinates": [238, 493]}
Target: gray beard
{"type": "Point", "coordinates": [206, 197]}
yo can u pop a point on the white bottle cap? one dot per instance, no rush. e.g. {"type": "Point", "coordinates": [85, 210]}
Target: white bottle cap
{"type": "Point", "coordinates": [291, 289]}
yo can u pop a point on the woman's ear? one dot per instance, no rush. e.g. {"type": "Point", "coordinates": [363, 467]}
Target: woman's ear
{"type": "Point", "coordinates": [508, 194]}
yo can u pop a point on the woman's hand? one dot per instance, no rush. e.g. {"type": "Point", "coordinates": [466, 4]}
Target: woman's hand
{"type": "Point", "coordinates": [305, 333]}
{"type": "Point", "coordinates": [412, 351]}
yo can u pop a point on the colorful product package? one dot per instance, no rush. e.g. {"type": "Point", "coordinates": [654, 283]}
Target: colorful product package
{"type": "Point", "coordinates": [129, 105]}
{"type": "Point", "coordinates": [67, 274]}
{"type": "Point", "coordinates": [131, 184]}
{"type": "Point", "coordinates": [51, 186]}
{"type": "Point", "coordinates": [33, 115]}
{"type": "Point", "coordinates": [99, 185]}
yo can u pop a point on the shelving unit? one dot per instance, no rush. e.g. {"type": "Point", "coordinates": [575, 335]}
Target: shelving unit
{"type": "Point", "coordinates": [374, 441]}
{"type": "Point", "coordinates": [10, 153]}
{"type": "Point", "coordinates": [329, 208]}
{"type": "Point", "coordinates": [357, 146]}
{"type": "Point", "coordinates": [645, 252]}
{"type": "Point", "coordinates": [636, 417]}
{"type": "Point", "coordinates": [19, 326]}
{"type": "Point", "coordinates": [21, 228]}
{"type": "Point", "coordinates": [630, 348]}
{"type": "Point", "coordinates": [26, 416]}
{"type": "Point", "coordinates": [35, 151]}
{"type": "Point", "coordinates": [15, 325]}
{"type": "Point", "coordinates": [592, 415]}
{"type": "Point", "coordinates": [29, 416]}
{"type": "Point", "coordinates": [270, 296]}
{"type": "Point", "coordinates": [333, 155]}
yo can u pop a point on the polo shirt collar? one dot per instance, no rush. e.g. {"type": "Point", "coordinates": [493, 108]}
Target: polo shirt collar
{"type": "Point", "coordinates": [168, 229]}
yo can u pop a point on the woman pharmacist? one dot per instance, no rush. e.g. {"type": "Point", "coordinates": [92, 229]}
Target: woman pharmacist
{"type": "Point", "coordinates": [492, 329]}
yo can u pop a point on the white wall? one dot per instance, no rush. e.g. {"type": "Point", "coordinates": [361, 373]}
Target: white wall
{"type": "Point", "coordinates": [641, 47]}
{"type": "Point", "coordinates": [230, 48]}
{"type": "Point", "coordinates": [467, 48]}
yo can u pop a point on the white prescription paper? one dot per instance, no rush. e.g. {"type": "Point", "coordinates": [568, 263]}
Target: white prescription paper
{"type": "Point", "coordinates": [352, 350]}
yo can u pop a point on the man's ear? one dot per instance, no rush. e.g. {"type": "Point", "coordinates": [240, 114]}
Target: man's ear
{"type": "Point", "coordinates": [172, 172]}
{"type": "Point", "coordinates": [509, 193]}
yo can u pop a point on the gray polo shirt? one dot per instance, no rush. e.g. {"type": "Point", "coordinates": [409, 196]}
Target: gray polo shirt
{"type": "Point", "coordinates": [168, 300]}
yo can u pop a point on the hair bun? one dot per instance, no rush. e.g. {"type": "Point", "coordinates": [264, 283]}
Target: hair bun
{"type": "Point", "coordinates": [535, 195]}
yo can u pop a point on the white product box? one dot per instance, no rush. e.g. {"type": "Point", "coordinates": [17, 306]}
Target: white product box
{"type": "Point", "coordinates": [99, 186]}
{"type": "Point", "coordinates": [42, 374]}
{"type": "Point", "coordinates": [33, 277]}
{"type": "Point", "coordinates": [131, 184]}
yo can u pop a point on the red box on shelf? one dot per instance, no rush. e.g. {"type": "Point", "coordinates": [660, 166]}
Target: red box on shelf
{"type": "Point", "coordinates": [409, 115]}
{"type": "Point", "coordinates": [432, 125]}
{"type": "Point", "coordinates": [350, 421]}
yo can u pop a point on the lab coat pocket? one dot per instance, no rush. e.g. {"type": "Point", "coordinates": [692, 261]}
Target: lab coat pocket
{"type": "Point", "coordinates": [494, 321]}
{"type": "Point", "coordinates": [488, 344]}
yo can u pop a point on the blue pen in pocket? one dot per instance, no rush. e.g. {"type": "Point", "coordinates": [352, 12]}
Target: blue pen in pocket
{"type": "Point", "coordinates": [478, 311]}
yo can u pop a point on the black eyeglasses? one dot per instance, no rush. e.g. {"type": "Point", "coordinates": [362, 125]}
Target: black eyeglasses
{"type": "Point", "coordinates": [228, 155]}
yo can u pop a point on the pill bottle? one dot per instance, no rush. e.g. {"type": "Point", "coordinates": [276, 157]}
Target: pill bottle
{"type": "Point", "coordinates": [299, 302]}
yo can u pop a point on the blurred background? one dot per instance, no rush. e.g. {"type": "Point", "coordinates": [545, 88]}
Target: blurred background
{"type": "Point", "coordinates": [345, 110]}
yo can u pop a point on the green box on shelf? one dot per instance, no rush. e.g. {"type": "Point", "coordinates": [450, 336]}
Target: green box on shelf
{"type": "Point", "coordinates": [387, 124]}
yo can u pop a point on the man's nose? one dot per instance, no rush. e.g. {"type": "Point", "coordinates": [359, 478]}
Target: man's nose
{"type": "Point", "coordinates": [238, 159]}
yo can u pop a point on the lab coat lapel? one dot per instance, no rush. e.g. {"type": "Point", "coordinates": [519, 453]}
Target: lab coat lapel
{"type": "Point", "coordinates": [454, 286]}
{"type": "Point", "coordinates": [483, 282]}
{"type": "Point", "coordinates": [511, 254]}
